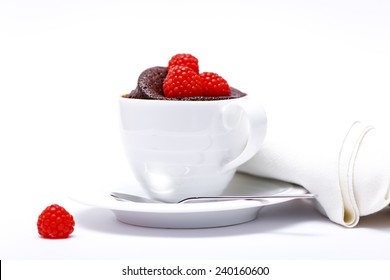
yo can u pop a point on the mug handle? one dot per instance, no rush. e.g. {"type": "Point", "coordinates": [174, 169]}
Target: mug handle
{"type": "Point", "coordinates": [257, 125]}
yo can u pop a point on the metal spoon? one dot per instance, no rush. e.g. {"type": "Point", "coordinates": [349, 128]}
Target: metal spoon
{"type": "Point", "coordinates": [134, 198]}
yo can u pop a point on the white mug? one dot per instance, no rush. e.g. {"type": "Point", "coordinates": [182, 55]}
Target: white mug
{"type": "Point", "coordinates": [178, 149]}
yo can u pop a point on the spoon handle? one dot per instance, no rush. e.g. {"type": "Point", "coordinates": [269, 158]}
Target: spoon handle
{"type": "Point", "coordinates": [134, 198]}
{"type": "Point", "coordinates": [245, 197]}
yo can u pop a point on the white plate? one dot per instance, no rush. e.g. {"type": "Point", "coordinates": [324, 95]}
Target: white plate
{"type": "Point", "coordinates": [190, 215]}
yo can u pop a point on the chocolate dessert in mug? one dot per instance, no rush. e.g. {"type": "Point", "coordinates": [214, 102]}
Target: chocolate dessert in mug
{"type": "Point", "coordinates": [185, 133]}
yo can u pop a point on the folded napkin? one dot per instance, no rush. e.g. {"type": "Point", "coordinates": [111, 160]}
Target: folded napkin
{"type": "Point", "coordinates": [343, 161]}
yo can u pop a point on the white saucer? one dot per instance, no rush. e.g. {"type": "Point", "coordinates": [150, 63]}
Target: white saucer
{"type": "Point", "coordinates": [191, 215]}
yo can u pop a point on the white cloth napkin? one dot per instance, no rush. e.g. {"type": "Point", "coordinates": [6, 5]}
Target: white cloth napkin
{"type": "Point", "coordinates": [343, 161]}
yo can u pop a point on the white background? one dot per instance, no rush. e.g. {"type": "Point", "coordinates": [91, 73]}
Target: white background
{"type": "Point", "coordinates": [63, 65]}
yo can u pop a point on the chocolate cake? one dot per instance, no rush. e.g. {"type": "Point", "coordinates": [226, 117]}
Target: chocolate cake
{"type": "Point", "coordinates": [150, 86]}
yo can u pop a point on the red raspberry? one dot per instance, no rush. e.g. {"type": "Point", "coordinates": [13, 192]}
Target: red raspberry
{"type": "Point", "coordinates": [184, 60]}
{"type": "Point", "coordinates": [214, 85]}
{"type": "Point", "coordinates": [182, 81]}
{"type": "Point", "coordinates": [55, 222]}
